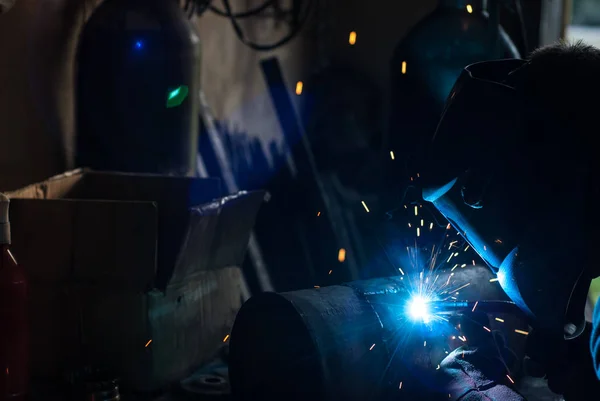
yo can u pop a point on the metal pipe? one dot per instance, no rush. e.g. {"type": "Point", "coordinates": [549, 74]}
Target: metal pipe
{"type": "Point", "coordinates": [344, 342]}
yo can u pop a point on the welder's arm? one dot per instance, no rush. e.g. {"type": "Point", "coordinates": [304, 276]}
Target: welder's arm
{"type": "Point", "coordinates": [479, 371]}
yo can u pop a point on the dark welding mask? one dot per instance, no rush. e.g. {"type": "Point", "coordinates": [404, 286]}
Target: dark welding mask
{"type": "Point", "coordinates": [516, 194]}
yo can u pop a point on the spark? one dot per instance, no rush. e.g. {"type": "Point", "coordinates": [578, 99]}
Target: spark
{"type": "Point", "coordinates": [318, 214]}
{"type": "Point", "coordinates": [418, 232]}
{"type": "Point", "coordinates": [448, 226]}
{"type": "Point", "coordinates": [486, 329]}
{"type": "Point", "coordinates": [424, 343]}
{"type": "Point", "coordinates": [299, 87]}
{"type": "Point", "coordinates": [392, 155]}
{"type": "Point", "coordinates": [226, 338]}
{"type": "Point", "coordinates": [455, 266]}
{"type": "Point", "coordinates": [365, 206]}
{"type": "Point", "coordinates": [485, 248]}
{"type": "Point", "coordinates": [450, 257]}
{"type": "Point", "coordinates": [499, 320]}
{"type": "Point", "coordinates": [453, 337]}
{"type": "Point", "coordinates": [493, 279]}
{"type": "Point", "coordinates": [400, 386]}
{"type": "Point", "coordinates": [525, 333]}
{"type": "Point", "coordinates": [510, 378]}
{"type": "Point", "coordinates": [498, 241]}
{"type": "Point", "coordinates": [409, 225]}
{"type": "Point", "coordinates": [341, 255]}
{"type": "Point", "coordinates": [467, 248]}
{"type": "Point", "coordinates": [475, 306]}
{"type": "Point", "coordinates": [352, 38]}
{"type": "Point", "coordinates": [463, 266]}
{"type": "Point", "coordinates": [469, 8]}
{"type": "Point", "coordinates": [404, 67]}
{"type": "Point", "coordinates": [317, 286]}
{"type": "Point", "coordinates": [401, 271]}
{"type": "Point", "coordinates": [330, 271]}
{"type": "Point", "coordinates": [416, 210]}
{"type": "Point", "coordinates": [431, 226]}
{"type": "Point", "coordinates": [462, 338]}
{"type": "Point", "coordinates": [422, 223]}
{"type": "Point", "coordinates": [372, 346]}
{"type": "Point", "coordinates": [473, 262]}
{"type": "Point", "coordinates": [438, 367]}
{"type": "Point", "coordinates": [463, 286]}
{"type": "Point", "coordinates": [148, 343]}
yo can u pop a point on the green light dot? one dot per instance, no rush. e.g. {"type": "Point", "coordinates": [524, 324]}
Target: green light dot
{"type": "Point", "coordinates": [176, 96]}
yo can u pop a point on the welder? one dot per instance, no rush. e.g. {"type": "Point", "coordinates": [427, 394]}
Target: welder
{"type": "Point", "coordinates": [514, 167]}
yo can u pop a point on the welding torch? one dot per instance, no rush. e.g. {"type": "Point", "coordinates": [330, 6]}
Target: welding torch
{"type": "Point", "coordinates": [460, 307]}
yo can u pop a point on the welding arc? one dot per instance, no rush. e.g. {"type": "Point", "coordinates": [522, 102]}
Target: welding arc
{"type": "Point", "coordinates": [444, 307]}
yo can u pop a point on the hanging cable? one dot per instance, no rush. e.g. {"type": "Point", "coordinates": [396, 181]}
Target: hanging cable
{"type": "Point", "coordinates": [523, 27]}
{"type": "Point", "coordinates": [244, 14]}
{"type": "Point", "coordinates": [195, 7]}
{"type": "Point", "coordinates": [260, 47]}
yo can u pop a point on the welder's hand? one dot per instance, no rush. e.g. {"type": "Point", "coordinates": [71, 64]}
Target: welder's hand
{"type": "Point", "coordinates": [481, 368]}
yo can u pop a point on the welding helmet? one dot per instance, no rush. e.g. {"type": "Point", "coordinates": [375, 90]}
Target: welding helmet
{"type": "Point", "coordinates": [511, 180]}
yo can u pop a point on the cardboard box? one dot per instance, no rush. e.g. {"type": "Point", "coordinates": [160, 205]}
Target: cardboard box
{"type": "Point", "coordinates": [138, 274]}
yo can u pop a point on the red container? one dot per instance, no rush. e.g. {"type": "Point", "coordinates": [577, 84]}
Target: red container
{"type": "Point", "coordinates": [14, 330]}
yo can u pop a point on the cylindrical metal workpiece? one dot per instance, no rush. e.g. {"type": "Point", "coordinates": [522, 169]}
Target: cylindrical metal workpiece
{"type": "Point", "coordinates": [344, 342]}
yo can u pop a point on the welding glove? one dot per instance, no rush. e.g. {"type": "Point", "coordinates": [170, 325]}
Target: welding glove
{"type": "Point", "coordinates": [481, 369]}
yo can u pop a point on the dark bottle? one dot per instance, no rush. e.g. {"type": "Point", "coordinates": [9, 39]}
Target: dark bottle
{"type": "Point", "coordinates": [427, 62]}
{"type": "Point", "coordinates": [14, 335]}
{"type": "Point", "coordinates": [137, 89]}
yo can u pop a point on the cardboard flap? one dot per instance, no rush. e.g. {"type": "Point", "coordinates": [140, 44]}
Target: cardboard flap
{"type": "Point", "coordinates": [57, 187]}
{"type": "Point", "coordinates": [218, 234]}
{"type": "Point", "coordinates": [86, 241]}
{"type": "Point", "coordinates": [174, 196]}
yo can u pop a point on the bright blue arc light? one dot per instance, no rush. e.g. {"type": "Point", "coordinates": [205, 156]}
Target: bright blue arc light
{"type": "Point", "coordinates": [418, 309]}
{"type": "Point", "coordinates": [138, 44]}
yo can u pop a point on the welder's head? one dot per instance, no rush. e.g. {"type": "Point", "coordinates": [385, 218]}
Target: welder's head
{"type": "Point", "coordinates": [513, 167]}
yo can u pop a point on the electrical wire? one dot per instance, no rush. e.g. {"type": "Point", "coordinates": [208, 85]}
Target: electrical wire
{"type": "Point", "coordinates": [261, 47]}
{"type": "Point", "coordinates": [195, 7]}
{"type": "Point", "coordinates": [244, 14]}
{"type": "Point", "coordinates": [521, 17]}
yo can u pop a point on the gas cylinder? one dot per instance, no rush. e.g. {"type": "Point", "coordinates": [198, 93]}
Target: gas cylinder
{"type": "Point", "coordinates": [137, 89]}
{"type": "Point", "coordinates": [427, 62]}
{"type": "Point", "coordinates": [14, 336]}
